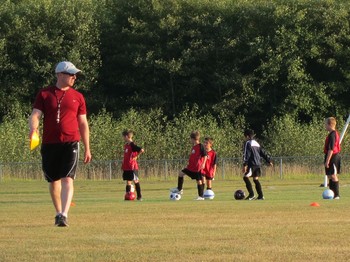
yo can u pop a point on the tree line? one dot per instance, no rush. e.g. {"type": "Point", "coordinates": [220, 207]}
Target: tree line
{"type": "Point", "coordinates": [261, 63]}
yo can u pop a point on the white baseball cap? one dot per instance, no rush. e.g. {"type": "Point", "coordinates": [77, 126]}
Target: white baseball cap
{"type": "Point", "coordinates": [66, 67]}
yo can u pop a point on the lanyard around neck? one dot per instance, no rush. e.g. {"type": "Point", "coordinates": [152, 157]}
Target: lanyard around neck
{"type": "Point", "coordinates": [59, 101]}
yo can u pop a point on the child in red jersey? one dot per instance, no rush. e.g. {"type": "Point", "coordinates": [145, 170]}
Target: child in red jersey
{"type": "Point", "coordinates": [332, 157]}
{"type": "Point", "coordinates": [209, 170]}
{"type": "Point", "coordinates": [195, 165]}
{"type": "Point", "coordinates": [129, 166]}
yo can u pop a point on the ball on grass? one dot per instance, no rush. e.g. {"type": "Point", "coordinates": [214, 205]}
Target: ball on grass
{"type": "Point", "coordinates": [209, 194]}
{"type": "Point", "coordinates": [130, 196]}
{"type": "Point", "coordinates": [174, 196]}
{"type": "Point", "coordinates": [328, 194]}
{"type": "Point", "coordinates": [239, 194]}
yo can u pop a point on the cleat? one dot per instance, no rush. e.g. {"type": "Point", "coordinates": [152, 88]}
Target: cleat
{"type": "Point", "coordinates": [337, 197]}
{"type": "Point", "coordinates": [250, 198]}
{"type": "Point", "coordinates": [62, 221]}
{"type": "Point", "coordinates": [260, 198]}
{"type": "Point", "coordinates": [57, 219]}
{"type": "Point", "coordinates": [139, 199]}
{"type": "Point", "coordinates": [199, 198]}
{"type": "Point", "coordinates": [176, 190]}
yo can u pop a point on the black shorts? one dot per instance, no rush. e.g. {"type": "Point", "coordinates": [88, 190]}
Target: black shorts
{"type": "Point", "coordinates": [334, 165]}
{"type": "Point", "coordinates": [254, 171]}
{"type": "Point", "coordinates": [130, 175]}
{"type": "Point", "coordinates": [192, 175]}
{"type": "Point", "coordinates": [59, 160]}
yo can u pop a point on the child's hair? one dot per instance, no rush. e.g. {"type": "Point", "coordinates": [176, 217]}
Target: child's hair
{"type": "Point", "coordinates": [209, 139]}
{"type": "Point", "coordinates": [331, 121]}
{"type": "Point", "coordinates": [249, 133]}
{"type": "Point", "coordinates": [128, 133]}
{"type": "Point", "coordinates": [195, 135]}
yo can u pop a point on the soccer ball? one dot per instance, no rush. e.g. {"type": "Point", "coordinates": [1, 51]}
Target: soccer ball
{"type": "Point", "coordinates": [130, 196]}
{"type": "Point", "coordinates": [239, 195]}
{"type": "Point", "coordinates": [174, 196]}
{"type": "Point", "coordinates": [132, 188]}
{"type": "Point", "coordinates": [328, 194]}
{"type": "Point", "coordinates": [209, 194]}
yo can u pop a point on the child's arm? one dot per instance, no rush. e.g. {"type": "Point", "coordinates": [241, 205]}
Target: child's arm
{"type": "Point", "coordinates": [137, 149]}
{"type": "Point", "coordinates": [204, 155]}
{"type": "Point", "coordinates": [215, 162]}
{"type": "Point", "coordinates": [266, 156]}
{"type": "Point", "coordinates": [214, 170]}
{"type": "Point", "coordinates": [247, 151]}
{"type": "Point", "coordinates": [203, 162]}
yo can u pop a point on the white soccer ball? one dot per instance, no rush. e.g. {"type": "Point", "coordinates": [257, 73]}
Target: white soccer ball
{"type": "Point", "coordinates": [209, 194]}
{"type": "Point", "coordinates": [132, 188]}
{"type": "Point", "coordinates": [174, 196]}
{"type": "Point", "coordinates": [328, 194]}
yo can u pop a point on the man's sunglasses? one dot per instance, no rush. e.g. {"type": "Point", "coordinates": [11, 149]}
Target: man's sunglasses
{"type": "Point", "coordinates": [65, 73]}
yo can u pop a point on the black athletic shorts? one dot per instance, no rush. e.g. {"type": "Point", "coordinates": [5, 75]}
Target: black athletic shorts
{"type": "Point", "coordinates": [191, 174]}
{"type": "Point", "coordinates": [254, 171]}
{"type": "Point", "coordinates": [334, 165]}
{"type": "Point", "coordinates": [59, 160]}
{"type": "Point", "coordinates": [130, 175]}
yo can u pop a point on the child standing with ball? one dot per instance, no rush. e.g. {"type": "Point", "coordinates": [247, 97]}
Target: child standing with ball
{"type": "Point", "coordinates": [195, 165]}
{"type": "Point", "coordinates": [129, 166]}
{"type": "Point", "coordinates": [209, 170]}
{"type": "Point", "coordinates": [332, 157]}
{"type": "Point", "coordinates": [252, 154]}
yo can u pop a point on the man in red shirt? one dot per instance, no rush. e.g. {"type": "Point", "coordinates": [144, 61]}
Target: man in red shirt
{"type": "Point", "coordinates": [196, 164]}
{"type": "Point", "coordinates": [64, 122]}
{"type": "Point", "coordinates": [332, 158]}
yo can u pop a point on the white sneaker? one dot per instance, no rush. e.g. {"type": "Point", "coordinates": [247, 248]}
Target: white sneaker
{"type": "Point", "coordinates": [199, 198]}
{"type": "Point", "coordinates": [176, 190]}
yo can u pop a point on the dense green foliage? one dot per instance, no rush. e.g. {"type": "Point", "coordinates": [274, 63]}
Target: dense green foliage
{"type": "Point", "coordinates": [277, 66]}
{"type": "Point", "coordinates": [163, 138]}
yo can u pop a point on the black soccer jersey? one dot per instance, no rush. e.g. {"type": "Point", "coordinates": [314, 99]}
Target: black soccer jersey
{"type": "Point", "coordinates": [253, 153]}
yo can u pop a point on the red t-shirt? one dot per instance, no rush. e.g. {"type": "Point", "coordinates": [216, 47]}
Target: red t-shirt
{"type": "Point", "coordinates": [332, 143]}
{"type": "Point", "coordinates": [210, 163]}
{"type": "Point", "coordinates": [72, 105]}
{"type": "Point", "coordinates": [130, 152]}
{"type": "Point", "coordinates": [196, 158]}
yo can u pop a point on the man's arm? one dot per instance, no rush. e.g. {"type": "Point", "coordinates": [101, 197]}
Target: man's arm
{"type": "Point", "coordinates": [34, 121]}
{"type": "Point", "coordinates": [85, 136]}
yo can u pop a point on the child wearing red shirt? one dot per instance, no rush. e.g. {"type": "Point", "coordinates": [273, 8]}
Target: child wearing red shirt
{"type": "Point", "coordinates": [209, 170]}
{"type": "Point", "coordinates": [129, 166]}
{"type": "Point", "coordinates": [196, 164]}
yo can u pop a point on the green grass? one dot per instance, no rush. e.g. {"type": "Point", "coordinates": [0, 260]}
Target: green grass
{"type": "Point", "coordinates": [103, 227]}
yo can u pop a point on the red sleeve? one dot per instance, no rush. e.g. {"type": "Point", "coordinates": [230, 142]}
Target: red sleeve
{"type": "Point", "coordinates": [39, 102]}
{"type": "Point", "coordinates": [82, 107]}
{"type": "Point", "coordinates": [215, 162]}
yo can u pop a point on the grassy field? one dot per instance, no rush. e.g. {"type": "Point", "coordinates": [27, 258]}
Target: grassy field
{"type": "Point", "coordinates": [103, 227]}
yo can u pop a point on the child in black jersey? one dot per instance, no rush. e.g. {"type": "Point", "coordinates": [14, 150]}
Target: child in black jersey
{"type": "Point", "coordinates": [252, 153]}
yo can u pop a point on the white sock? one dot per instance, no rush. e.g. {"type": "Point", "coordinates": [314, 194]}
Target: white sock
{"type": "Point", "coordinates": [65, 215]}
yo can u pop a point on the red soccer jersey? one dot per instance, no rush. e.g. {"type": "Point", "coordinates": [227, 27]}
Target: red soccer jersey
{"type": "Point", "coordinates": [332, 143]}
{"type": "Point", "coordinates": [72, 104]}
{"type": "Point", "coordinates": [210, 163]}
{"type": "Point", "coordinates": [196, 158]}
{"type": "Point", "coordinates": [130, 152]}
